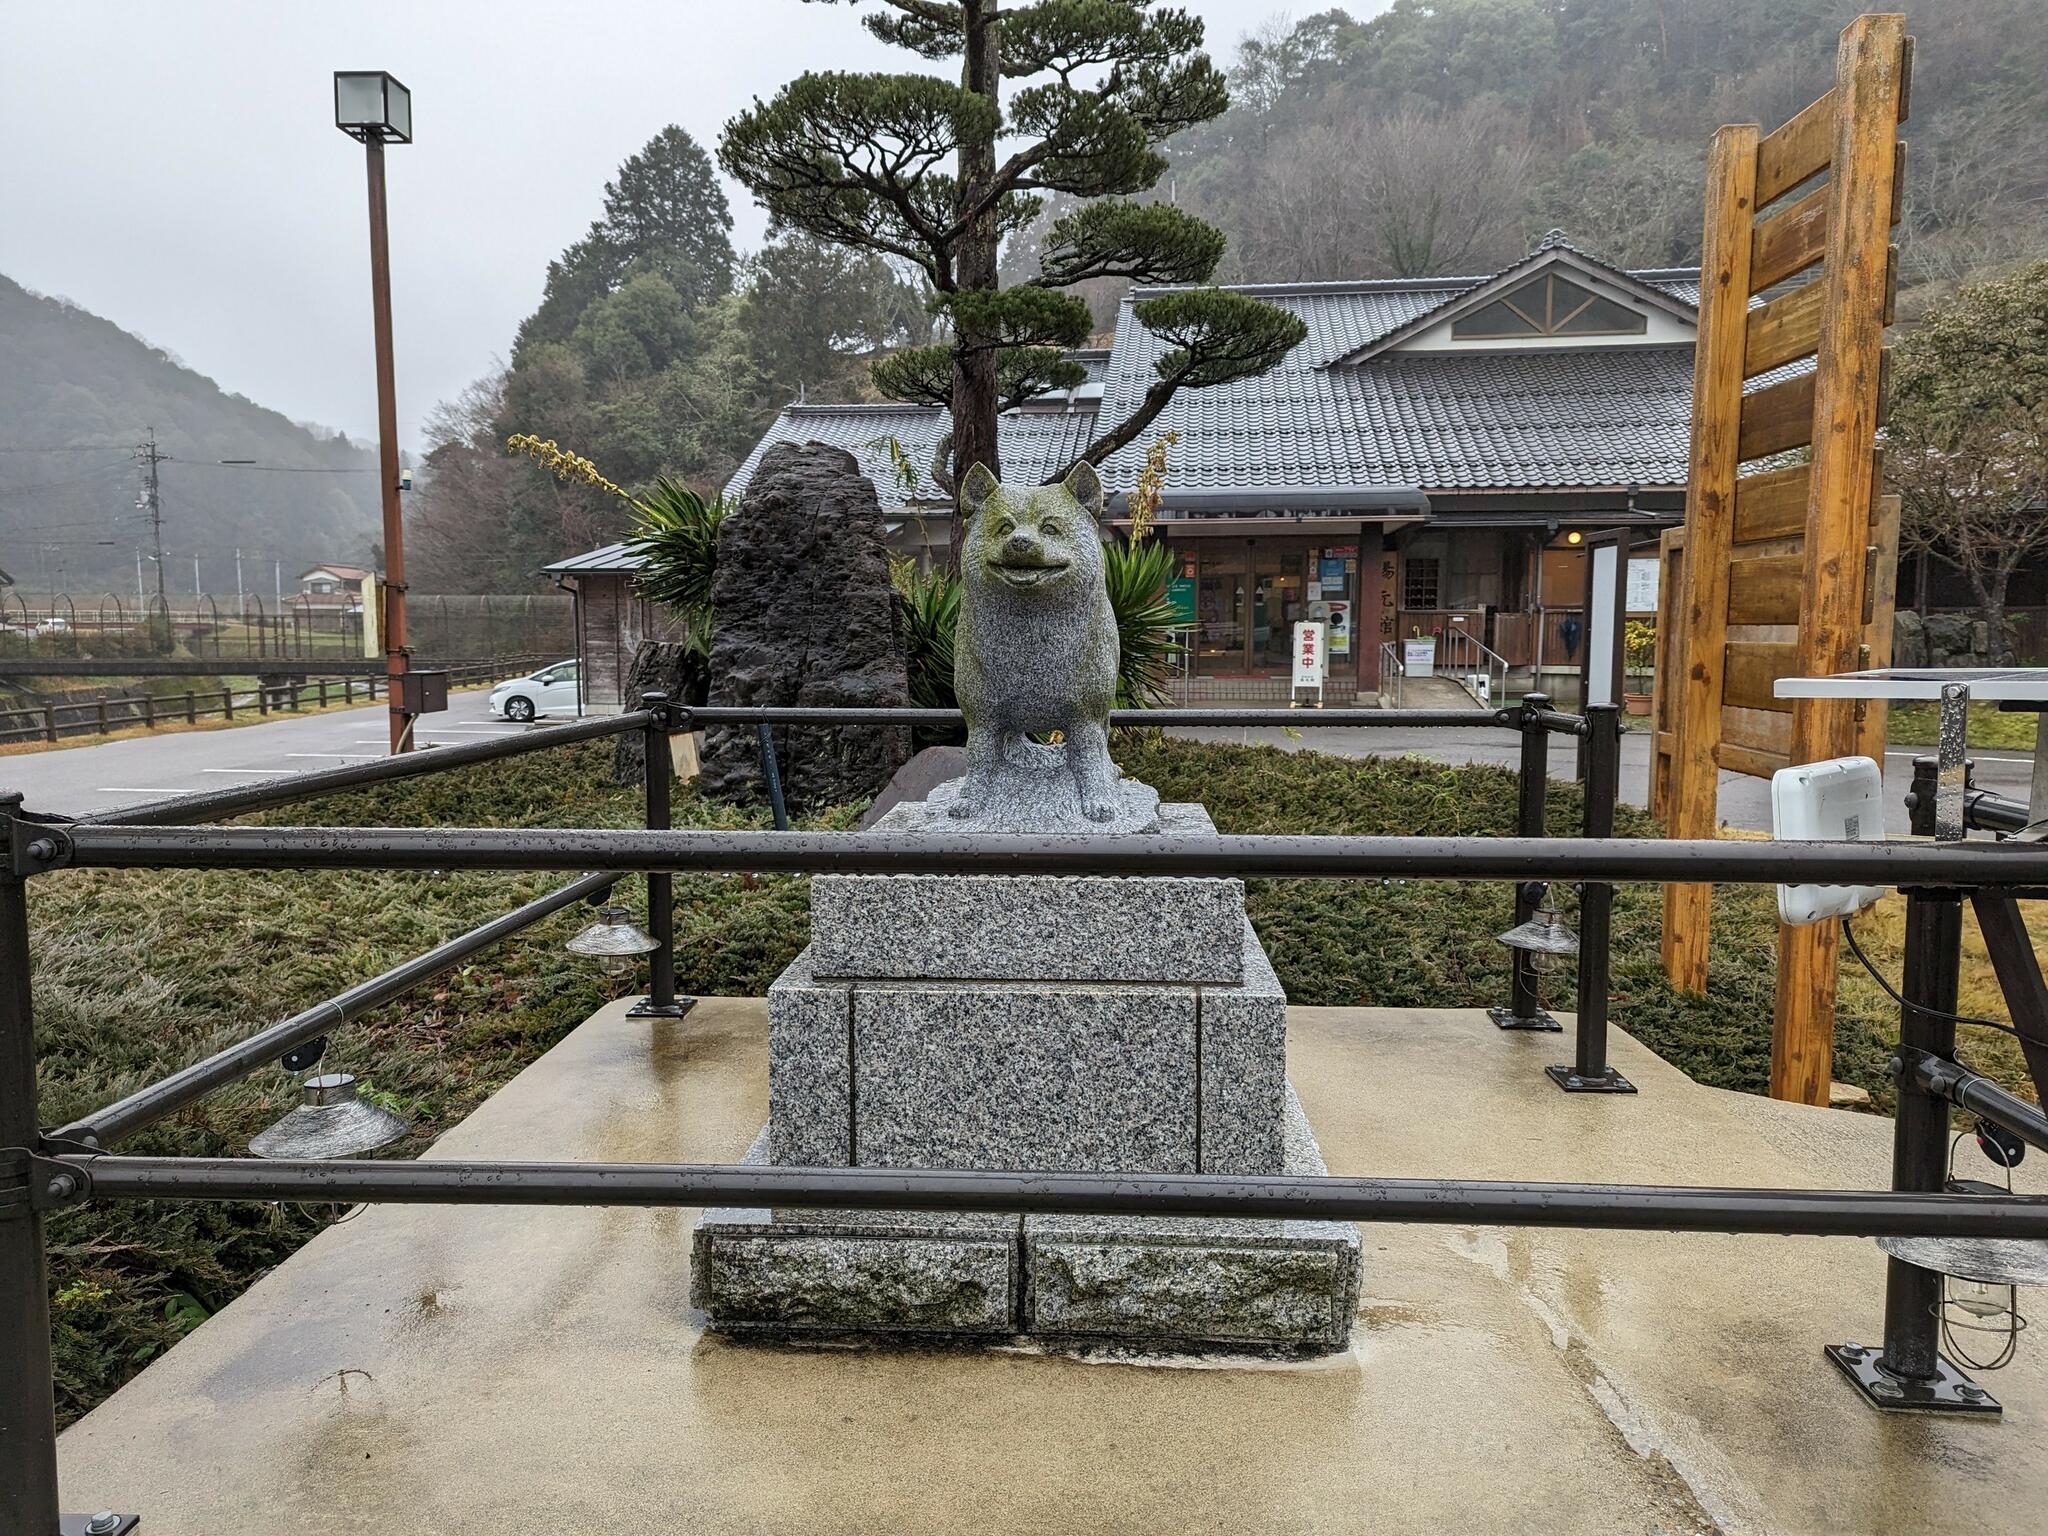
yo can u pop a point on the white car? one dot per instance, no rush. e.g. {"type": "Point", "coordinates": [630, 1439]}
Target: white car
{"type": "Point", "coordinates": [550, 691]}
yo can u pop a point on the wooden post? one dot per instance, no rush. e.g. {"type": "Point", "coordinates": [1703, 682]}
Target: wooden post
{"type": "Point", "coordinates": [1869, 82]}
{"type": "Point", "coordinates": [1709, 531]}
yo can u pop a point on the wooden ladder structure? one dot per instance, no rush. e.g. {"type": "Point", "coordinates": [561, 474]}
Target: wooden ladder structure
{"type": "Point", "coordinates": [1787, 570]}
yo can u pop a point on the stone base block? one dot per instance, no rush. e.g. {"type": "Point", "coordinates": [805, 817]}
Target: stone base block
{"type": "Point", "coordinates": [1179, 1282]}
{"type": "Point", "coordinates": [820, 1273]}
{"type": "Point", "coordinates": [1026, 928]}
{"type": "Point", "coordinates": [1150, 1283]}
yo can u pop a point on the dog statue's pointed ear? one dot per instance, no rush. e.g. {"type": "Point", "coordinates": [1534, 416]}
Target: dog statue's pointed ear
{"type": "Point", "coordinates": [1085, 486]}
{"type": "Point", "coordinates": [975, 490]}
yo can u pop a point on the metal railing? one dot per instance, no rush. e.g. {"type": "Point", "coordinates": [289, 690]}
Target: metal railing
{"type": "Point", "coordinates": [52, 722]}
{"type": "Point", "coordinates": [1465, 661]}
{"type": "Point", "coordinates": [42, 1171]}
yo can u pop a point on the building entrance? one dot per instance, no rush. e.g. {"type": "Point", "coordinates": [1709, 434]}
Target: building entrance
{"type": "Point", "coordinates": [1250, 593]}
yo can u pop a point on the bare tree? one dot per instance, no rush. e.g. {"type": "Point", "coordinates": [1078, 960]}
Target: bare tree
{"type": "Point", "coordinates": [1445, 188]}
{"type": "Point", "coordinates": [1967, 445]}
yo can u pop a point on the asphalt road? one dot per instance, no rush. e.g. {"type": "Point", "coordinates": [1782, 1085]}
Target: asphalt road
{"type": "Point", "coordinates": [75, 780]}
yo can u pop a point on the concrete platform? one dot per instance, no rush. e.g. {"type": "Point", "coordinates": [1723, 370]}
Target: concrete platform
{"type": "Point", "coordinates": [491, 1370]}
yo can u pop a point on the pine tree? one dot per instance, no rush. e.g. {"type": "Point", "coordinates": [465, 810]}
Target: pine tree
{"type": "Point", "coordinates": [664, 214]}
{"type": "Point", "coordinates": [906, 165]}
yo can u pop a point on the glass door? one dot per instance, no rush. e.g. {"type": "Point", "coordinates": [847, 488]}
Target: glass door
{"type": "Point", "coordinates": [1279, 597]}
{"type": "Point", "coordinates": [1220, 608]}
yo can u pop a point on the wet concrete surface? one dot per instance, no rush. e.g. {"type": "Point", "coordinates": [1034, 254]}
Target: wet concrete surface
{"type": "Point", "coordinates": [459, 1369]}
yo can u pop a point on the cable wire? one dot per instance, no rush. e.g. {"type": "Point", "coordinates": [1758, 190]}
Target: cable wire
{"type": "Point", "coordinates": [1892, 992]}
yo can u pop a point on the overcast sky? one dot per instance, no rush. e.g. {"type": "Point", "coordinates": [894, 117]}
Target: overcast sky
{"type": "Point", "coordinates": [173, 164]}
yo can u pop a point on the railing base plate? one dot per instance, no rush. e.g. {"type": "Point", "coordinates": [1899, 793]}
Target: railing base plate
{"type": "Point", "coordinates": [1609, 1081]}
{"type": "Point", "coordinates": [84, 1525]}
{"type": "Point", "coordinates": [1506, 1018]}
{"type": "Point", "coordinates": [645, 1009]}
{"type": "Point", "coordinates": [1950, 1392]}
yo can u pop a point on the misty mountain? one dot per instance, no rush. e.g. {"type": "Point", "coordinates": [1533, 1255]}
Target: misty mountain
{"type": "Point", "coordinates": [78, 395]}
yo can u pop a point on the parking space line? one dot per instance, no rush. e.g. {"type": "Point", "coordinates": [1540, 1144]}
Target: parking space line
{"type": "Point", "coordinates": [115, 789]}
{"type": "Point", "coordinates": [262, 773]}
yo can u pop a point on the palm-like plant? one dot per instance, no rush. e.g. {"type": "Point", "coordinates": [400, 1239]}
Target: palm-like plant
{"type": "Point", "coordinates": [1136, 575]}
{"type": "Point", "coordinates": [675, 534]}
{"type": "Point", "coordinates": [931, 614]}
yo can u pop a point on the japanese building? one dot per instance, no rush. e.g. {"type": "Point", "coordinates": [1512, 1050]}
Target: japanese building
{"type": "Point", "coordinates": [1427, 462]}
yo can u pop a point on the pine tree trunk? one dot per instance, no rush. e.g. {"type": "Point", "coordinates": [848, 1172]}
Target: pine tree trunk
{"type": "Point", "coordinates": [974, 267]}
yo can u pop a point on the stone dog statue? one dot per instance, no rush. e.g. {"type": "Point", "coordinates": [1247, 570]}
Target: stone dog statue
{"type": "Point", "coordinates": [1036, 647]}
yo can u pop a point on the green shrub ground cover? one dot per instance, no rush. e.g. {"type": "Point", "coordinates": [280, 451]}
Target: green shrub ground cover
{"type": "Point", "coordinates": [139, 972]}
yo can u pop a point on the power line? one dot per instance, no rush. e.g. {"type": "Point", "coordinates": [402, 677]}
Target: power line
{"type": "Point", "coordinates": [67, 448]}
{"type": "Point", "coordinates": [272, 469]}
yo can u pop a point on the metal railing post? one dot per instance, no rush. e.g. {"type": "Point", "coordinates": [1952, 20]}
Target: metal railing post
{"type": "Point", "coordinates": [771, 774]}
{"type": "Point", "coordinates": [1526, 1010]}
{"type": "Point", "coordinates": [191, 707]}
{"type": "Point", "coordinates": [656, 772]}
{"type": "Point", "coordinates": [1910, 1372]}
{"type": "Point", "coordinates": [49, 722]}
{"type": "Point", "coordinates": [1589, 1071]}
{"type": "Point", "coordinates": [28, 1412]}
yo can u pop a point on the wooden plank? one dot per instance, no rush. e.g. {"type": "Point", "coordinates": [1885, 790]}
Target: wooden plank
{"type": "Point", "coordinates": [1776, 417]}
{"type": "Point", "coordinates": [1790, 240]}
{"type": "Point", "coordinates": [1861, 192]}
{"type": "Point", "coordinates": [1725, 261]}
{"type": "Point", "coordinates": [1796, 150]}
{"type": "Point", "coordinates": [1756, 730]}
{"type": "Point", "coordinates": [1771, 505]}
{"type": "Point", "coordinates": [1788, 327]}
{"type": "Point", "coordinates": [1750, 760]}
{"type": "Point", "coordinates": [1765, 590]}
{"type": "Point", "coordinates": [1752, 667]}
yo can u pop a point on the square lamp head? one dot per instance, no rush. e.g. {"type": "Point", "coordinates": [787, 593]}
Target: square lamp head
{"type": "Point", "coordinates": [369, 104]}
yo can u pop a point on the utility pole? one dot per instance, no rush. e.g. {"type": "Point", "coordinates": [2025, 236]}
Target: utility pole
{"type": "Point", "coordinates": [150, 457]}
{"type": "Point", "coordinates": [277, 578]}
{"type": "Point", "coordinates": [241, 598]}
{"type": "Point", "coordinates": [141, 600]}
{"type": "Point", "coordinates": [196, 588]}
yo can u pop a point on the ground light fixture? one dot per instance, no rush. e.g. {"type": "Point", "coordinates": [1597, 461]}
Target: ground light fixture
{"type": "Point", "coordinates": [1544, 938]}
{"type": "Point", "coordinates": [331, 1119]}
{"type": "Point", "coordinates": [614, 941]}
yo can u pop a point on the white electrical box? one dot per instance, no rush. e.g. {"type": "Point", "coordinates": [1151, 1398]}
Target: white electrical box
{"type": "Point", "coordinates": [1841, 800]}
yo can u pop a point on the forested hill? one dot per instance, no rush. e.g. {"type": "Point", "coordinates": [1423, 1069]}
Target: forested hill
{"type": "Point", "coordinates": [1445, 136]}
{"type": "Point", "coordinates": [77, 394]}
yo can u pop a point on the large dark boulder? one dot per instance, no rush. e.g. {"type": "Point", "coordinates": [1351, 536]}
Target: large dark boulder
{"type": "Point", "coordinates": [804, 615]}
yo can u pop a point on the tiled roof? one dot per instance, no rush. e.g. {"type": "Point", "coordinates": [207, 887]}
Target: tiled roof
{"type": "Point", "coordinates": [1557, 417]}
{"type": "Point", "coordinates": [613, 557]}
{"type": "Point", "coordinates": [1034, 444]}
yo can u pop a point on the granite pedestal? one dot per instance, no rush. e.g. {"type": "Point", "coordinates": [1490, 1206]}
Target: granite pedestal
{"type": "Point", "coordinates": [1113, 1024]}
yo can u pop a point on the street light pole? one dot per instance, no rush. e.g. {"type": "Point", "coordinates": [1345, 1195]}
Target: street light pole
{"type": "Point", "coordinates": [375, 109]}
{"type": "Point", "coordinates": [392, 608]}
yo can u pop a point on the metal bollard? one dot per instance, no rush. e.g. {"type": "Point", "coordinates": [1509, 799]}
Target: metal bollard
{"type": "Point", "coordinates": [1910, 1372]}
{"type": "Point", "coordinates": [661, 1001]}
{"type": "Point", "coordinates": [1589, 1071]}
{"type": "Point", "coordinates": [771, 772]}
{"type": "Point", "coordinates": [28, 1413]}
{"type": "Point", "coordinates": [1525, 1011]}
